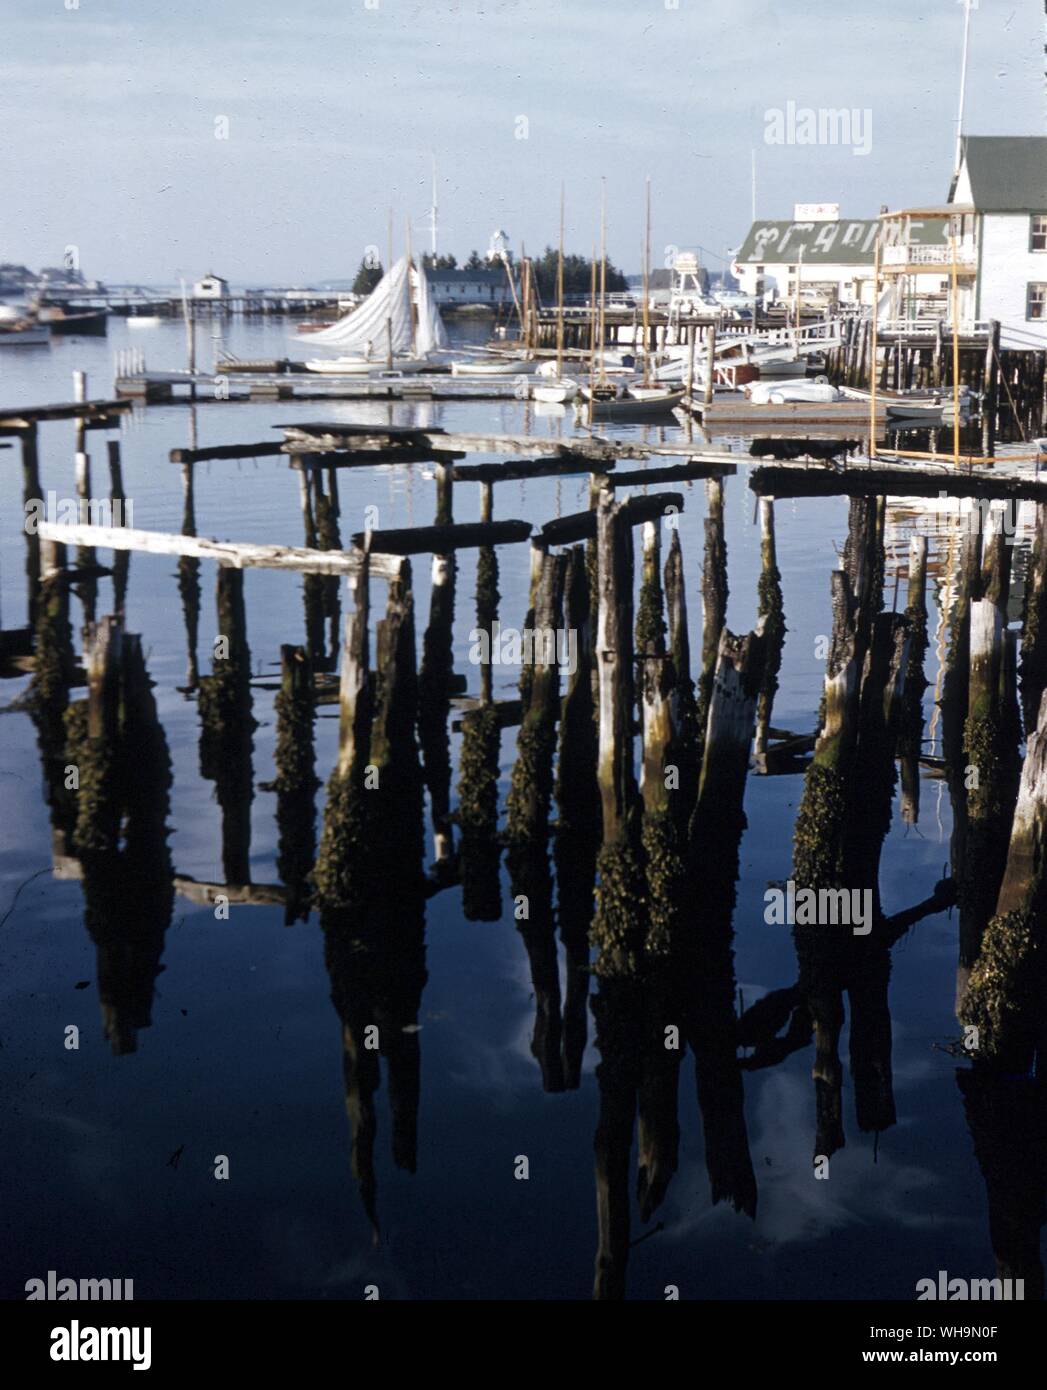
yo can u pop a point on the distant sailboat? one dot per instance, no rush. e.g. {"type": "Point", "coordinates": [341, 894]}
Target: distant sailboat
{"type": "Point", "coordinates": [396, 328]}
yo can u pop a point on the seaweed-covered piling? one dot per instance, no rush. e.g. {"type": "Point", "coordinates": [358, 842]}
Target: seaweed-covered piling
{"type": "Point", "coordinates": [990, 746]}
{"type": "Point", "coordinates": [189, 581]}
{"type": "Point", "coordinates": [684, 754]}
{"type": "Point", "coordinates": [714, 594]}
{"type": "Point", "coordinates": [1034, 624]}
{"type": "Point", "coordinates": [121, 558]}
{"type": "Point", "coordinates": [1008, 983]}
{"type": "Point", "coordinates": [369, 881]}
{"type": "Point", "coordinates": [227, 726]}
{"type": "Point", "coordinates": [770, 607]}
{"type": "Point", "coordinates": [577, 841]}
{"type": "Point", "coordinates": [530, 794]}
{"type": "Point", "coordinates": [435, 701]}
{"type": "Point", "coordinates": [910, 730]}
{"type": "Point", "coordinates": [296, 780]}
{"type": "Point", "coordinates": [31, 496]}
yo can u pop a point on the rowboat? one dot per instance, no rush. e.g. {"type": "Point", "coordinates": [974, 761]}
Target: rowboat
{"type": "Point", "coordinates": [554, 391]}
{"type": "Point", "coordinates": [627, 402]}
{"type": "Point", "coordinates": [487, 366]}
{"type": "Point", "coordinates": [364, 366]}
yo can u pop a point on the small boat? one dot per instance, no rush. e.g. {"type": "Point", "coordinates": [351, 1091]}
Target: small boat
{"type": "Point", "coordinates": [20, 330]}
{"type": "Point", "coordinates": [783, 392]}
{"type": "Point", "coordinates": [627, 401]}
{"type": "Point", "coordinates": [85, 323]}
{"type": "Point", "coordinates": [143, 320]}
{"type": "Point", "coordinates": [554, 391]}
{"type": "Point", "coordinates": [364, 366]}
{"type": "Point", "coordinates": [490, 366]}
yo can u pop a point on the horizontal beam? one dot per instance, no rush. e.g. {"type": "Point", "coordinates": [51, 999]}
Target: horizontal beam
{"type": "Point", "coordinates": [581, 526]}
{"type": "Point", "coordinates": [239, 554]}
{"type": "Point", "coordinates": [812, 480]}
{"type": "Point", "coordinates": [441, 540]}
{"type": "Point", "coordinates": [227, 451]}
{"type": "Point", "coordinates": [72, 410]}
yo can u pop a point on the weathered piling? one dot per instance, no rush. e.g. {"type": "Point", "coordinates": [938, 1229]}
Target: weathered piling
{"type": "Point", "coordinates": [435, 695]}
{"type": "Point", "coordinates": [118, 498]}
{"type": "Point", "coordinates": [32, 496]}
{"type": "Point", "coordinates": [227, 726]}
{"type": "Point", "coordinates": [990, 745]}
{"type": "Point", "coordinates": [531, 787]}
{"type": "Point", "coordinates": [685, 750]}
{"type": "Point", "coordinates": [189, 580]}
{"type": "Point", "coordinates": [296, 780]}
{"type": "Point", "coordinates": [1006, 988]}
{"type": "Point", "coordinates": [577, 841]}
{"type": "Point", "coordinates": [479, 850]}
{"type": "Point", "coordinates": [770, 607]}
{"type": "Point", "coordinates": [910, 730]}
{"type": "Point", "coordinates": [1034, 623]}
{"type": "Point", "coordinates": [714, 594]}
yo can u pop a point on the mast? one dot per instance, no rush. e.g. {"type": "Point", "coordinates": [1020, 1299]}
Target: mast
{"type": "Point", "coordinates": [433, 216]}
{"type": "Point", "coordinates": [559, 295]}
{"type": "Point", "coordinates": [410, 294]}
{"type": "Point", "coordinates": [603, 274]}
{"type": "Point", "coordinates": [968, 5]}
{"type": "Point", "coordinates": [389, 298]}
{"type": "Point", "coordinates": [593, 317]}
{"type": "Point", "coordinates": [647, 286]}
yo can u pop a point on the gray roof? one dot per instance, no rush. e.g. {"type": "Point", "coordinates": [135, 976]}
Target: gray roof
{"type": "Point", "coordinates": [1008, 173]}
{"type": "Point", "coordinates": [467, 277]}
{"type": "Point", "coordinates": [850, 241]}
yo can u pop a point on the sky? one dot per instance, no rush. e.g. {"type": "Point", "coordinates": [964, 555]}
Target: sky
{"type": "Point", "coordinates": [268, 141]}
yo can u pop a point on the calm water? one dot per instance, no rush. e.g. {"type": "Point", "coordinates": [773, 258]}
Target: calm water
{"type": "Point", "coordinates": [108, 1161]}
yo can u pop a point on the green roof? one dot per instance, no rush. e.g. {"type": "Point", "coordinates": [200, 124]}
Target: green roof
{"type": "Point", "coordinates": [1008, 173]}
{"type": "Point", "coordinates": [849, 241]}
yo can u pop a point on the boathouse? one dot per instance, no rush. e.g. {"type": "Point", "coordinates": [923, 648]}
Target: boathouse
{"type": "Point", "coordinates": [832, 260]}
{"type": "Point", "coordinates": [469, 288]}
{"type": "Point", "coordinates": [211, 287]}
{"type": "Point", "coordinates": [1004, 179]}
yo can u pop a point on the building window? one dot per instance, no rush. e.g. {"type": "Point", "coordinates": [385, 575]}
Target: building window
{"type": "Point", "coordinates": [1038, 231]}
{"type": "Point", "coordinates": [1036, 301]}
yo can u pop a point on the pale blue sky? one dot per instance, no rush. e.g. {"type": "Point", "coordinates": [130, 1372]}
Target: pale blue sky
{"type": "Point", "coordinates": [108, 116]}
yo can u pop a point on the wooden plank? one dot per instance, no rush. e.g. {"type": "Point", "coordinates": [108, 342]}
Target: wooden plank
{"type": "Point", "coordinates": [802, 480]}
{"type": "Point", "coordinates": [226, 451]}
{"type": "Point", "coordinates": [672, 472]}
{"type": "Point", "coordinates": [241, 554]}
{"type": "Point", "coordinates": [441, 540]}
{"type": "Point", "coordinates": [23, 416]}
{"type": "Point", "coordinates": [582, 526]}
{"type": "Point", "coordinates": [515, 469]}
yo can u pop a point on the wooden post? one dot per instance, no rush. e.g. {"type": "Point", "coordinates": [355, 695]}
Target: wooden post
{"type": "Point", "coordinates": [990, 389]}
{"type": "Point", "coordinates": [32, 496]}
{"type": "Point", "coordinates": [710, 363]}
{"type": "Point", "coordinates": [354, 688]}
{"type": "Point", "coordinates": [769, 607]}
{"type": "Point", "coordinates": [910, 739]}
{"type": "Point", "coordinates": [1034, 623]}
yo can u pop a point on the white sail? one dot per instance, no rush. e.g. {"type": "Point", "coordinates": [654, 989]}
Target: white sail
{"type": "Point", "coordinates": [385, 312]}
{"type": "Point", "coordinates": [387, 309]}
{"type": "Point", "coordinates": [430, 332]}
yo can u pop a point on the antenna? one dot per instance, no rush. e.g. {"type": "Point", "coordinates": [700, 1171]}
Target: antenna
{"type": "Point", "coordinates": [968, 6]}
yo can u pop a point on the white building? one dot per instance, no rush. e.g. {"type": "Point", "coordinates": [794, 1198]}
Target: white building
{"type": "Point", "coordinates": [473, 288]}
{"type": "Point", "coordinates": [211, 287]}
{"type": "Point", "coordinates": [830, 259]}
{"type": "Point", "coordinates": [1004, 180]}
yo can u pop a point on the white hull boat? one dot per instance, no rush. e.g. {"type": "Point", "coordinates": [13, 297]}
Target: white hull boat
{"type": "Point", "coordinates": [555, 392]}
{"type": "Point", "coordinates": [480, 366]}
{"type": "Point", "coordinates": [143, 320]}
{"type": "Point", "coordinates": [362, 366]}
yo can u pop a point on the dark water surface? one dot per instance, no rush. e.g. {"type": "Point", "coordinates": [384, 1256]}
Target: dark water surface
{"type": "Point", "coordinates": [108, 1161]}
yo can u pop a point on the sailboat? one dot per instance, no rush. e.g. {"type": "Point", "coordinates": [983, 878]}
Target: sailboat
{"type": "Point", "coordinates": [557, 389]}
{"type": "Point", "coordinates": [394, 330]}
{"type": "Point", "coordinates": [627, 400]}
